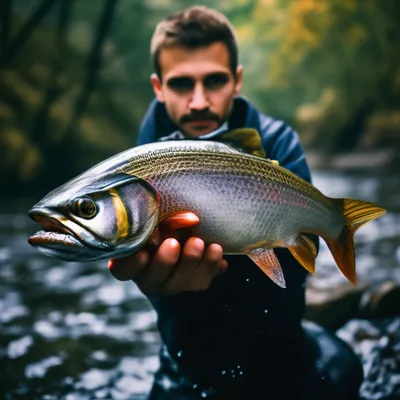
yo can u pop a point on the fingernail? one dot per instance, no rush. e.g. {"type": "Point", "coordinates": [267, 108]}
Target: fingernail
{"type": "Point", "coordinates": [198, 242]}
{"type": "Point", "coordinates": [173, 243]}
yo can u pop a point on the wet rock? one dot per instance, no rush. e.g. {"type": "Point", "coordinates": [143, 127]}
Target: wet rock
{"type": "Point", "coordinates": [377, 343]}
{"type": "Point", "coordinates": [332, 308]}
{"type": "Point", "coordinates": [381, 301]}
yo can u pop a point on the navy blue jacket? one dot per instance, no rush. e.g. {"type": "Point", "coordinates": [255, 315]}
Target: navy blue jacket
{"type": "Point", "coordinates": [219, 338]}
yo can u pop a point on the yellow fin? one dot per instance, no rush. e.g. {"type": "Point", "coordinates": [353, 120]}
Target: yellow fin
{"type": "Point", "coordinates": [275, 162]}
{"type": "Point", "coordinates": [247, 139]}
{"type": "Point", "coordinates": [356, 213]}
{"type": "Point", "coordinates": [305, 252]}
{"type": "Point", "coordinates": [267, 261]}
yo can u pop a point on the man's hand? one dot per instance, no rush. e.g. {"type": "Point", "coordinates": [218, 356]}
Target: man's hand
{"type": "Point", "coordinates": [173, 268]}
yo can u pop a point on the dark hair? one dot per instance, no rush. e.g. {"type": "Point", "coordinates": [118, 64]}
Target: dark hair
{"type": "Point", "coordinates": [194, 27]}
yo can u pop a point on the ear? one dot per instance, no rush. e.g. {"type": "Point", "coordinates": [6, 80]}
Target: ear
{"type": "Point", "coordinates": [239, 79]}
{"type": "Point", "coordinates": [156, 83]}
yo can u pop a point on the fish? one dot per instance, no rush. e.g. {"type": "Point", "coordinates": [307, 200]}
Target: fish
{"type": "Point", "coordinates": [225, 190]}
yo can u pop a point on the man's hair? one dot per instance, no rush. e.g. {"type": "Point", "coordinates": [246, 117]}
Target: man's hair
{"type": "Point", "coordinates": [194, 27]}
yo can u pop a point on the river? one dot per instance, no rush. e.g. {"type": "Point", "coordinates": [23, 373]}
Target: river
{"type": "Point", "coordinates": [71, 331]}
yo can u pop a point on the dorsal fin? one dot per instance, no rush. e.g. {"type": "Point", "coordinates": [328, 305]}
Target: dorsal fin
{"type": "Point", "coordinates": [245, 139]}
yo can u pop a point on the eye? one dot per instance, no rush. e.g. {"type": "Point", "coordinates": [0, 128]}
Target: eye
{"type": "Point", "coordinates": [216, 81]}
{"type": "Point", "coordinates": [84, 207]}
{"type": "Point", "coordinates": [180, 84]}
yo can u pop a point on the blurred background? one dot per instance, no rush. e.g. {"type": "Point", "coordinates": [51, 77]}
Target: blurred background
{"type": "Point", "coordinates": [74, 85]}
{"type": "Point", "coordinates": [74, 77]}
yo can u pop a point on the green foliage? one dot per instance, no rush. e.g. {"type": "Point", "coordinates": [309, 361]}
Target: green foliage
{"type": "Point", "coordinates": [324, 65]}
{"type": "Point", "coordinates": [331, 68]}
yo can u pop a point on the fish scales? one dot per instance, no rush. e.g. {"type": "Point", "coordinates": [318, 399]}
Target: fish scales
{"type": "Point", "coordinates": [244, 202]}
{"type": "Point", "coordinates": [218, 187]}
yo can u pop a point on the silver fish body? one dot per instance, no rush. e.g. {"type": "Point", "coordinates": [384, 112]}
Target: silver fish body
{"type": "Point", "coordinates": [247, 204]}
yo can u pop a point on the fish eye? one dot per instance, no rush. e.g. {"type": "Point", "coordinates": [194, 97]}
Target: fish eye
{"type": "Point", "coordinates": [84, 207]}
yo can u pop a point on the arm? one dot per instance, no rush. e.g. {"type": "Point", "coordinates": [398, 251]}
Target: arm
{"type": "Point", "coordinates": [282, 143]}
{"type": "Point", "coordinates": [227, 322]}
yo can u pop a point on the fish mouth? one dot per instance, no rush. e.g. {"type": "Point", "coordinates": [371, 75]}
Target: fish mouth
{"type": "Point", "coordinates": [63, 238]}
{"type": "Point", "coordinates": [48, 223]}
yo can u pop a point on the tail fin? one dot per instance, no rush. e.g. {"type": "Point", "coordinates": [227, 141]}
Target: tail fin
{"type": "Point", "coordinates": [356, 213]}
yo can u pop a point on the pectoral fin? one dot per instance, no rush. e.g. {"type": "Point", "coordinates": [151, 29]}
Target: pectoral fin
{"type": "Point", "coordinates": [304, 252]}
{"type": "Point", "coordinates": [169, 227]}
{"type": "Point", "coordinates": [184, 219]}
{"type": "Point", "coordinates": [267, 261]}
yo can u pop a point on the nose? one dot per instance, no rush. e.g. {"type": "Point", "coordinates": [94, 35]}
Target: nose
{"type": "Point", "coordinates": [199, 100]}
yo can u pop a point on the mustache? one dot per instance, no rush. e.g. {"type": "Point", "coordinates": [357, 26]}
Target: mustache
{"type": "Point", "coordinates": [203, 116]}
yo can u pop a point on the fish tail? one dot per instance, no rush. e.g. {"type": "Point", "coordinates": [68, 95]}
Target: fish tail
{"type": "Point", "coordinates": [356, 213]}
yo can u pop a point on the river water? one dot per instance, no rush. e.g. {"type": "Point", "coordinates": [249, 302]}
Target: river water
{"type": "Point", "coordinates": [71, 331]}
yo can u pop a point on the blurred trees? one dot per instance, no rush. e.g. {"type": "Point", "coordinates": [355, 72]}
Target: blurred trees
{"type": "Point", "coordinates": [74, 76]}
{"type": "Point", "coordinates": [328, 66]}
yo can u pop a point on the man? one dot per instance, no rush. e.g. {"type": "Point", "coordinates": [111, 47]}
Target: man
{"type": "Point", "coordinates": [228, 331]}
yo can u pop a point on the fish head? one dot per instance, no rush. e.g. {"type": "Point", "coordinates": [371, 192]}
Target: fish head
{"type": "Point", "coordinates": [92, 218]}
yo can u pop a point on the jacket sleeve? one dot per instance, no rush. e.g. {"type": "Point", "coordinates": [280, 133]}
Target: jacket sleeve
{"type": "Point", "coordinates": [147, 129]}
{"type": "Point", "coordinates": [282, 143]}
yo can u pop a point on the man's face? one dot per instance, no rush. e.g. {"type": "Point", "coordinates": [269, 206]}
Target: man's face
{"type": "Point", "coordinates": [197, 87]}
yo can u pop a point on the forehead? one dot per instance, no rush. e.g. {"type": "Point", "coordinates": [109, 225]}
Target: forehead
{"type": "Point", "coordinates": [196, 63]}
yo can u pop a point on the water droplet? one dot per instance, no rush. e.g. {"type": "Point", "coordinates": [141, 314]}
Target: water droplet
{"type": "Point", "coordinates": [179, 354]}
{"type": "Point", "coordinates": [240, 372]}
{"type": "Point", "coordinates": [223, 372]}
{"type": "Point", "coordinates": [195, 386]}
{"type": "Point", "coordinates": [265, 311]}
{"type": "Point", "coordinates": [238, 367]}
{"type": "Point", "coordinates": [247, 279]}
{"type": "Point", "coordinates": [208, 393]}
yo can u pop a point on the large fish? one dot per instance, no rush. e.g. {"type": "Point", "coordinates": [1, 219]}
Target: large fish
{"type": "Point", "coordinates": [245, 202]}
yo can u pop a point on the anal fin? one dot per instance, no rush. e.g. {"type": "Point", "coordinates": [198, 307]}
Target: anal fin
{"type": "Point", "coordinates": [267, 261]}
{"type": "Point", "coordinates": [305, 252]}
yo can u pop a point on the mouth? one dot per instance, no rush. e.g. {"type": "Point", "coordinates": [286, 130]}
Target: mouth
{"type": "Point", "coordinates": [54, 236]}
{"type": "Point", "coordinates": [201, 124]}
{"type": "Point", "coordinates": [49, 224]}
{"type": "Point", "coordinates": [63, 238]}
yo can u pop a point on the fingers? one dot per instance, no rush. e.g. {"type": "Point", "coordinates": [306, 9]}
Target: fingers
{"type": "Point", "coordinates": [172, 269]}
{"type": "Point", "coordinates": [152, 279]}
{"type": "Point", "coordinates": [125, 269]}
{"type": "Point", "coordinates": [211, 265]}
{"type": "Point", "coordinates": [185, 271]}
{"type": "Point", "coordinates": [197, 267]}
